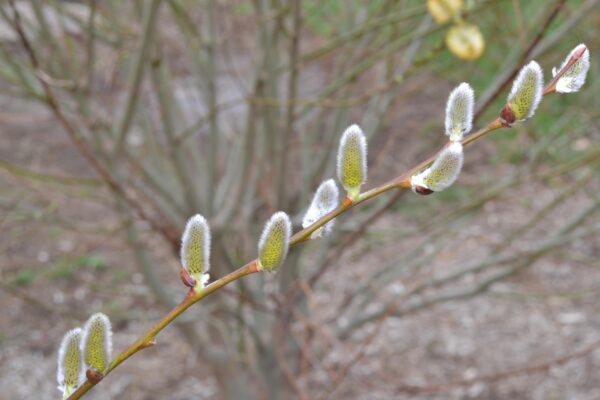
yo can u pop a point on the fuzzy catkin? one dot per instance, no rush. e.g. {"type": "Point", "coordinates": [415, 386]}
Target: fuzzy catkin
{"type": "Point", "coordinates": [574, 77]}
{"type": "Point", "coordinates": [195, 248]}
{"type": "Point", "coordinates": [459, 112]}
{"type": "Point", "coordinates": [97, 342]}
{"type": "Point", "coordinates": [274, 242]}
{"type": "Point", "coordinates": [352, 159]}
{"type": "Point", "coordinates": [70, 362]}
{"type": "Point", "coordinates": [526, 92]}
{"type": "Point", "coordinates": [324, 201]}
{"type": "Point", "coordinates": [443, 172]}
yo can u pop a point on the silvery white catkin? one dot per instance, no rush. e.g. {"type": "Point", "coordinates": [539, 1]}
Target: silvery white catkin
{"type": "Point", "coordinates": [195, 249]}
{"type": "Point", "coordinates": [574, 77]}
{"type": "Point", "coordinates": [459, 112]}
{"type": "Point", "coordinates": [325, 200]}
{"type": "Point", "coordinates": [443, 172]}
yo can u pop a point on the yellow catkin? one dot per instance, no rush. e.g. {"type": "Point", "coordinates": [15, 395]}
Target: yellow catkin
{"type": "Point", "coordinates": [195, 249]}
{"type": "Point", "coordinates": [97, 340]}
{"type": "Point", "coordinates": [526, 92]}
{"type": "Point", "coordinates": [70, 366]}
{"type": "Point", "coordinates": [352, 160]}
{"type": "Point", "coordinates": [274, 242]}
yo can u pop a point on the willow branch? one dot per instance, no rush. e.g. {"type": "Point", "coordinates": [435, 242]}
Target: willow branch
{"type": "Point", "coordinates": [400, 182]}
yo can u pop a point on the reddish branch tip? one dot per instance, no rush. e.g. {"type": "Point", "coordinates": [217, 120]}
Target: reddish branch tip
{"type": "Point", "coordinates": [579, 53]}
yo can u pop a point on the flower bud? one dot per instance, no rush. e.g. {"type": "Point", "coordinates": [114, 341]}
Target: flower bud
{"type": "Point", "coordinates": [70, 363]}
{"type": "Point", "coordinates": [444, 10]}
{"type": "Point", "coordinates": [195, 249]}
{"type": "Point", "coordinates": [93, 376]}
{"type": "Point", "coordinates": [97, 342]}
{"type": "Point", "coordinates": [465, 41]}
{"type": "Point", "coordinates": [274, 242]}
{"type": "Point", "coordinates": [442, 173]}
{"type": "Point", "coordinates": [574, 77]}
{"type": "Point", "coordinates": [459, 112]}
{"type": "Point", "coordinates": [352, 161]}
{"type": "Point", "coordinates": [325, 201]}
{"type": "Point", "coordinates": [525, 95]}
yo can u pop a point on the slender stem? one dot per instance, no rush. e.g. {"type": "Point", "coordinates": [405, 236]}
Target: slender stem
{"type": "Point", "coordinates": [150, 18]}
{"type": "Point", "coordinates": [400, 182]}
{"type": "Point", "coordinates": [282, 156]}
{"type": "Point", "coordinates": [90, 47]}
{"type": "Point", "coordinates": [211, 104]}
